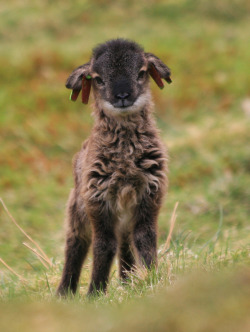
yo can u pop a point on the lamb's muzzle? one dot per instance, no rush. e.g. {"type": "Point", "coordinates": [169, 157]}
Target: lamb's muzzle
{"type": "Point", "coordinates": [120, 172]}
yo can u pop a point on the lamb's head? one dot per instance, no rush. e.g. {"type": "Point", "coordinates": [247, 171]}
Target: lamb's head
{"type": "Point", "coordinates": [119, 70]}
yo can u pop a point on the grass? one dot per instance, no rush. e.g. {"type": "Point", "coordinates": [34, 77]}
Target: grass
{"type": "Point", "coordinates": [202, 302]}
{"type": "Point", "coordinates": [204, 124]}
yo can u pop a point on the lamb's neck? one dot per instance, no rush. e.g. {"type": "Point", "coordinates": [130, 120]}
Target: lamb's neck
{"type": "Point", "coordinates": [140, 122]}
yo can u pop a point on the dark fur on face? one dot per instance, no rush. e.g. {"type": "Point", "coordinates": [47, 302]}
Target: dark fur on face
{"type": "Point", "coordinates": [120, 172]}
{"type": "Point", "coordinates": [118, 64]}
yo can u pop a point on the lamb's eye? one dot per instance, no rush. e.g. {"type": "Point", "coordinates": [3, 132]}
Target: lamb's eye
{"type": "Point", "coordinates": [141, 74]}
{"type": "Point", "coordinates": [99, 81]}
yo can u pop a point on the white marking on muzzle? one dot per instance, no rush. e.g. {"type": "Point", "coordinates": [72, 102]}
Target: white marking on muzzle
{"type": "Point", "coordinates": [138, 105]}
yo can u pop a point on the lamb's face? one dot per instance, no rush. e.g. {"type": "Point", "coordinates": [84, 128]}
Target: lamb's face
{"type": "Point", "coordinates": [120, 79]}
{"type": "Point", "coordinates": [119, 70]}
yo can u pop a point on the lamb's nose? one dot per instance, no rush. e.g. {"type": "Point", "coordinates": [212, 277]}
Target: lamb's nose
{"type": "Point", "coordinates": [122, 96]}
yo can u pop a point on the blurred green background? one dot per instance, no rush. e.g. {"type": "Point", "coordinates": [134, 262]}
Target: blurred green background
{"type": "Point", "coordinates": [203, 115]}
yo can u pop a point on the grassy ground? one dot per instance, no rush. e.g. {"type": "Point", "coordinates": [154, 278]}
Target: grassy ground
{"type": "Point", "coordinates": [204, 121]}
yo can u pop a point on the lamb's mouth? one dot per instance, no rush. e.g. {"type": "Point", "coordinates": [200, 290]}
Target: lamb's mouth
{"type": "Point", "coordinates": [123, 104]}
{"type": "Point", "coordinates": [125, 108]}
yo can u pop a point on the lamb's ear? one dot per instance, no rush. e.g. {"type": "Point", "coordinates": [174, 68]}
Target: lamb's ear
{"type": "Point", "coordinates": [80, 79]}
{"type": "Point", "coordinates": [74, 81]}
{"type": "Point", "coordinates": [158, 70]}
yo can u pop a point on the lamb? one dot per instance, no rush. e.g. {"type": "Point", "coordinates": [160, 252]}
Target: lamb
{"type": "Point", "coordinates": [120, 172]}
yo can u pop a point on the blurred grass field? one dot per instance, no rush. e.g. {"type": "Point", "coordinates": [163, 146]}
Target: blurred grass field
{"type": "Point", "coordinates": [204, 120]}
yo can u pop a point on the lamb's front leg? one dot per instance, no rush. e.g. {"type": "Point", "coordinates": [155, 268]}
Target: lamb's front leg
{"type": "Point", "coordinates": [145, 232]}
{"type": "Point", "coordinates": [104, 248]}
{"type": "Point", "coordinates": [77, 245]}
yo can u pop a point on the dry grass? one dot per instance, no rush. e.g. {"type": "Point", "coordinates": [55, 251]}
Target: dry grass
{"type": "Point", "coordinates": [41, 254]}
{"type": "Point", "coordinates": [12, 271]}
{"type": "Point", "coordinates": [171, 228]}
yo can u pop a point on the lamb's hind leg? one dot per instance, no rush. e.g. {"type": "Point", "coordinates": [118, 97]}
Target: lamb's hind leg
{"type": "Point", "coordinates": [126, 255]}
{"type": "Point", "coordinates": [77, 244]}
